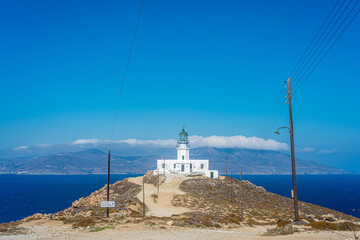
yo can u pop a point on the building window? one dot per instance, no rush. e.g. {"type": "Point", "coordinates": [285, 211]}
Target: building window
{"type": "Point", "coordinates": [183, 157]}
{"type": "Point", "coordinates": [163, 165]}
{"type": "Point", "coordinates": [174, 165]}
{"type": "Point", "coordinates": [202, 166]}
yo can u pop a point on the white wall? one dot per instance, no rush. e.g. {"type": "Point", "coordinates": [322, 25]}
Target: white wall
{"type": "Point", "coordinates": [175, 165]}
{"type": "Point", "coordinates": [183, 150]}
{"type": "Point", "coordinates": [215, 172]}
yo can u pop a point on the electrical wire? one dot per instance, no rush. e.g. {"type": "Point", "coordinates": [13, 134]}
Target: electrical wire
{"type": "Point", "coordinates": [125, 73]}
{"type": "Point", "coordinates": [299, 68]}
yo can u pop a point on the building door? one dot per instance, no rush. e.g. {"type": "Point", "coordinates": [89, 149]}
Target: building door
{"type": "Point", "coordinates": [211, 174]}
{"type": "Point", "coordinates": [190, 167]}
{"type": "Point", "coordinates": [182, 167]}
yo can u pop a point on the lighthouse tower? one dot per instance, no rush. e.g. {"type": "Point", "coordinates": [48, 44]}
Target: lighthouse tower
{"type": "Point", "coordinates": [183, 164]}
{"type": "Point", "coordinates": [183, 147]}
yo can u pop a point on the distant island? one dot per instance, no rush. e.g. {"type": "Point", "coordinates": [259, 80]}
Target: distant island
{"type": "Point", "coordinates": [93, 161]}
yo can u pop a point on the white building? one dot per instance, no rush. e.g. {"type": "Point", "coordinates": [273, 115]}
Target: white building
{"type": "Point", "coordinates": [183, 164]}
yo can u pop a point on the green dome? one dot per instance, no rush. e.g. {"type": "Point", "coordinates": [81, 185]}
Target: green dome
{"type": "Point", "coordinates": [183, 133]}
{"type": "Point", "coordinates": [183, 137]}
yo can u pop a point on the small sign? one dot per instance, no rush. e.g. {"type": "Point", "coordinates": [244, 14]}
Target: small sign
{"type": "Point", "coordinates": [107, 203]}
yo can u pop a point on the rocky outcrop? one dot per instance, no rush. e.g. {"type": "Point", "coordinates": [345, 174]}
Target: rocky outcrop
{"type": "Point", "coordinates": [122, 192]}
{"type": "Point", "coordinates": [226, 201]}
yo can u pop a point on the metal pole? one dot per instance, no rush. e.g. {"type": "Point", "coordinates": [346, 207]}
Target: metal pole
{"type": "Point", "coordinates": [143, 198]}
{"type": "Point", "coordinates": [108, 184]}
{"type": "Point", "coordinates": [241, 196]}
{"type": "Point", "coordinates": [225, 165]}
{"type": "Point", "coordinates": [296, 207]}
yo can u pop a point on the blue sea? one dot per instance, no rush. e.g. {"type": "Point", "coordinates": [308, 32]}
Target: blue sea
{"type": "Point", "coordinates": [24, 195]}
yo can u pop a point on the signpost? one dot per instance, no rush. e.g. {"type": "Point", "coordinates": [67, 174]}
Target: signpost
{"type": "Point", "coordinates": [107, 204]}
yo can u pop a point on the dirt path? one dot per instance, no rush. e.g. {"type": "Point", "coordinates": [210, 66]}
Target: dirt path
{"type": "Point", "coordinates": [56, 230]}
{"type": "Point", "coordinates": [163, 206]}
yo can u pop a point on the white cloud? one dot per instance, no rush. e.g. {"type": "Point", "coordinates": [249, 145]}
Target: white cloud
{"type": "Point", "coordinates": [236, 141]}
{"type": "Point", "coordinates": [158, 142]}
{"type": "Point", "coordinates": [131, 141]}
{"type": "Point", "coordinates": [328, 151]}
{"type": "Point", "coordinates": [306, 149]}
{"type": "Point", "coordinates": [88, 141]}
{"type": "Point", "coordinates": [21, 148]}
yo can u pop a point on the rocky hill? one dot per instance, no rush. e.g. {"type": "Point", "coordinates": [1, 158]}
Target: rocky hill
{"type": "Point", "coordinates": [193, 202]}
{"type": "Point", "coordinates": [95, 162]}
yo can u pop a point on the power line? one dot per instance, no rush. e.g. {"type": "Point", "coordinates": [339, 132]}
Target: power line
{"type": "Point", "coordinates": [357, 13]}
{"type": "Point", "coordinates": [125, 73]}
{"type": "Point", "coordinates": [301, 58]}
{"type": "Point", "coordinates": [322, 46]}
{"type": "Point", "coordinates": [298, 70]}
{"type": "Point", "coordinates": [271, 118]}
{"type": "Point", "coordinates": [271, 128]}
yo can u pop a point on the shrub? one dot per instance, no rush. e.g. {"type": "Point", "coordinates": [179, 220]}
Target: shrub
{"type": "Point", "coordinates": [102, 228]}
{"type": "Point", "coordinates": [84, 223]}
{"type": "Point", "coordinates": [282, 223]}
{"type": "Point", "coordinates": [343, 226]}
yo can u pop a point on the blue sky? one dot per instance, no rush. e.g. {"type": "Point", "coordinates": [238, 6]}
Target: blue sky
{"type": "Point", "coordinates": [215, 67]}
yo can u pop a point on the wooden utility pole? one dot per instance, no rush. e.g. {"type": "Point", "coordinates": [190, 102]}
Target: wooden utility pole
{"type": "Point", "coordinates": [241, 197]}
{"type": "Point", "coordinates": [296, 207]}
{"type": "Point", "coordinates": [232, 187]}
{"type": "Point", "coordinates": [143, 197]}
{"type": "Point", "coordinates": [108, 184]}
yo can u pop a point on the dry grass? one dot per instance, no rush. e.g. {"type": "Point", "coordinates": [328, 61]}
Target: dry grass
{"type": "Point", "coordinates": [343, 226]}
{"type": "Point", "coordinates": [284, 230]}
{"type": "Point", "coordinates": [282, 223]}
{"type": "Point", "coordinates": [152, 179]}
{"type": "Point", "coordinates": [11, 228]}
{"type": "Point", "coordinates": [84, 223]}
{"type": "Point", "coordinates": [222, 199]}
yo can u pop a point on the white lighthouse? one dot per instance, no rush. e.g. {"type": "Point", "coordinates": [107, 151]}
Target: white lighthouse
{"type": "Point", "coordinates": [183, 164]}
{"type": "Point", "coordinates": [183, 151]}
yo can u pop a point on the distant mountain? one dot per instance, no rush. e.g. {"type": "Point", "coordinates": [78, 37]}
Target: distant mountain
{"type": "Point", "coordinates": [260, 162]}
{"type": "Point", "coordinates": [90, 161]}
{"type": "Point", "coordinates": [93, 161]}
